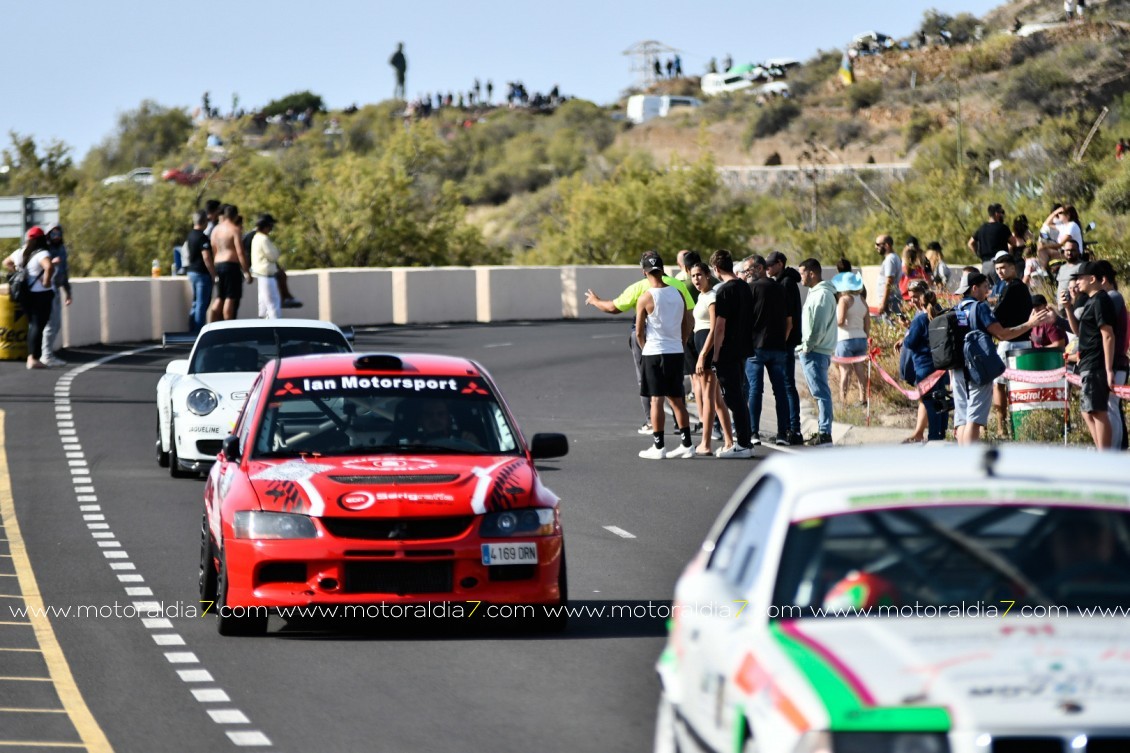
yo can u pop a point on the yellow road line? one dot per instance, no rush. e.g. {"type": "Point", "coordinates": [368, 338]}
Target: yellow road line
{"type": "Point", "coordinates": [93, 738]}
{"type": "Point", "coordinates": [8, 710]}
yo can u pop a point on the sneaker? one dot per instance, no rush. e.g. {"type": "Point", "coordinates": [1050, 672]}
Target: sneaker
{"type": "Point", "coordinates": [737, 451]}
{"type": "Point", "coordinates": [716, 434]}
{"type": "Point", "coordinates": [755, 440]}
{"type": "Point", "coordinates": [782, 440]}
{"type": "Point", "coordinates": [292, 303]}
{"type": "Point", "coordinates": [653, 453]}
{"type": "Point", "coordinates": [795, 438]}
{"type": "Point", "coordinates": [819, 439]}
{"type": "Point", "coordinates": [54, 362]}
{"type": "Point", "coordinates": [681, 452]}
{"type": "Point", "coordinates": [645, 429]}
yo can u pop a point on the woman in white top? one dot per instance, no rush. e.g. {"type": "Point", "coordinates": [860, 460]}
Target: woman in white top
{"type": "Point", "coordinates": [1061, 223]}
{"type": "Point", "coordinates": [853, 325]}
{"type": "Point", "coordinates": [705, 383]}
{"type": "Point", "coordinates": [35, 257]}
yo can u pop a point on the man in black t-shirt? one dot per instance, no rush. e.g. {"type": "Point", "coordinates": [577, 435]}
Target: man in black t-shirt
{"type": "Point", "coordinates": [990, 237]}
{"type": "Point", "coordinates": [1014, 306]}
{"type": "Point", "coordinates": [789, 279]}
{"type": "Point", "coordinates": [1095, 355]}
{"type": "Point", "coordinates": [731, 339]}
{"type": "Point", "coordinates": [200, 270]}
{"type": "Point", "coordinates": [769, 323]}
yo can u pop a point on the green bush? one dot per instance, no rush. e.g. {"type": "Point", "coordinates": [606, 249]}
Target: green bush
{"type": "Point", "coordinates": [994, 54]}
{"type": "Point", "coordinates": [920, 125]}
{"type": "Point", "coordinates": [864, 94]}
{"type": "Point", "coordinates": [1114, 196]}
{"type": "Point", "coordinates": [299, 102]}
{"type": "Point", "coordinates": [813, 73]}
{"type": "Point", "coordinates": [771, 119]}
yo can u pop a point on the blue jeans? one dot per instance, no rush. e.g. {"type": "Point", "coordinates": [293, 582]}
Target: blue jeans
{"type": "Point", "coordinates": [201, 296]}
{"type": "Point", "coordinates": [774, 362]}
{"type": "Point", "coordinates": [790, 391]}
{"type": "Point", "coordinates": [815, 367]}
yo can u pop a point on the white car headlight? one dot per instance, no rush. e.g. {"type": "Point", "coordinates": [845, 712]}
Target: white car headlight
{"type": "Point", "coordinates": [255, 524]}
{"type": "Point", "coordinates": [202, 402]}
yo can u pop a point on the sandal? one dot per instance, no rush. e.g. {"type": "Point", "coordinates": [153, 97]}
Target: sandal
{"type": "Point", "coordinates": [913, 440]}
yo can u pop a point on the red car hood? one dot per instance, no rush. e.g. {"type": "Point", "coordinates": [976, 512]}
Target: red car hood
{"type": "Point", "coordinates": [395, 486]}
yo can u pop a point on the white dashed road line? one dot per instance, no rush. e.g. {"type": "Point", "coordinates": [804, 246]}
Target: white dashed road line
{"type": "Point", "coordinates": [94, 517]}
{"type": "Point", "coordinates": [619, 532]}
{"type": "Point", "coordinates": [498, 345]}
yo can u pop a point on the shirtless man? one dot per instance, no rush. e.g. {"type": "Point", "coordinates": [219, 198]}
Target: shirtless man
{"type": "Point", "coordinates": [232, 266]}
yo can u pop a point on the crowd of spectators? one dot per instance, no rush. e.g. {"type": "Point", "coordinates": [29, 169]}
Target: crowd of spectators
{"type": "Point", "coordinates": [742, 320]}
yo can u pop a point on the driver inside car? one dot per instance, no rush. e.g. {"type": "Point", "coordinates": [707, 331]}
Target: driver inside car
{"type": "Point", "coordinates": [434, 423]}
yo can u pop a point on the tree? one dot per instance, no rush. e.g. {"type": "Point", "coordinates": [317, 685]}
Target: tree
{"type": "Point", "coordinates": [31, 173]}
{"type": "Point", "coordinates": [143, 138]}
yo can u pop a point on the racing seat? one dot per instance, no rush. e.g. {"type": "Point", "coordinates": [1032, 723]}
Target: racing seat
{"type": "Point", "coordinates": [225, 358]}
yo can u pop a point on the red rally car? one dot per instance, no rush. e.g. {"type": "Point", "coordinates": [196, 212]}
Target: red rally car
{"type": "Point", "coordinates": [378, 479]}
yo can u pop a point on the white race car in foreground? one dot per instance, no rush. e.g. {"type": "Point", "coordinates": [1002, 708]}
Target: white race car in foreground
{"type": "Point", "coordinates": [901, 600]}
{"type": "Point", "coordinates": [198, 398]}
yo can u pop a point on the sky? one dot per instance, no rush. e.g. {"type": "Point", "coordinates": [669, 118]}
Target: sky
{"type": "Point", "coordinates": [73, 65]}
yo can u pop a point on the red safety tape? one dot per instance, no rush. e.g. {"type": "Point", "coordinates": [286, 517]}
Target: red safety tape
{"type": "Point", "coordinates": [1036, 377]}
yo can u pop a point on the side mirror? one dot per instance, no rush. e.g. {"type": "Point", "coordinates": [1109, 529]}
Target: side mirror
{"type": "Point", "coordinates": [549, 446]}
{"type": "Point", "coordinates": [178, 367]}
{"type": "Point", "coordinates": [230, 448]}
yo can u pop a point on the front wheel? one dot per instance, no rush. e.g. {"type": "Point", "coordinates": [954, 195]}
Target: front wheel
{"type": "Point", "coordinates": [162, 456]}
{"type": "Point", "coordinates": [174, 460]}
{"type": "Point", "coordinates": [240, 621]}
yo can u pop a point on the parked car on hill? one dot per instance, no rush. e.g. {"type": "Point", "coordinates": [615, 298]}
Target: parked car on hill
{"type": "Point", "coordinates": [141, 175]}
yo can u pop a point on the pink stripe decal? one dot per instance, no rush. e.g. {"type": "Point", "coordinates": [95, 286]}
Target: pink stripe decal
{"type": "Point", "coordinates": [851, 678]}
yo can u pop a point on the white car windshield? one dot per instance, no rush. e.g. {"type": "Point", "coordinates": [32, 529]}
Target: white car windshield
{"type": "Point", "coordinates": [943, 557]}
{"type": "Point", "coordinates": [248, 349]}
{"type": "Point", "coordinates": [351, 415]}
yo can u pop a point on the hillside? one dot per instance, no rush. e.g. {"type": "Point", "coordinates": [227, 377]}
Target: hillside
{"type": "Point", "coordinates": [392, 184]}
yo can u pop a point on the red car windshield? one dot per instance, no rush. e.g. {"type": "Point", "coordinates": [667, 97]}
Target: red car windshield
{"type": "Point", "coordinates": [354, 415]}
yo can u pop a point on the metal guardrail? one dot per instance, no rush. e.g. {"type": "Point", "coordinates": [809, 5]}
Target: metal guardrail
{"type": "Point", "coordinates": [748, 176]}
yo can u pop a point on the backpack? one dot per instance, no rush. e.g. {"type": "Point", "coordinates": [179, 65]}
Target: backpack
{"type": "Point", "coordinates": [982, 363]}
{"type": "Point", "coordinates": [946, 333]}
{"type": "Point", "coordinates": [19, 287]}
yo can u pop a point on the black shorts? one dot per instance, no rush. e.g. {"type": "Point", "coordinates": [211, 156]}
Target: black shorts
{"type": "Point", "coordinates": [662, 376]}
{"type": "Point", "coordinates": [1095, 392]}
{"type": "Point", "coordinates": [699, 341]}
{"type": "Point", "coordinates": [690, 356]}
{"type": "Point", "coordinates": [229, 281]}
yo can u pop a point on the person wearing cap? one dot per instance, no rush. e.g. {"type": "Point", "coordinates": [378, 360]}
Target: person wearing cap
{"type": "Point", "coordinates": [264, 266]}
{"type": "Point", "coordinates": [999, 285]}
{"type": "Point", "coordinates": [35, 257]}
{"type": "Point", "coordinates": [62, 285]}
{"type": "Point", "coordinates": [1095, 354]}
{"type": "Point", "coordinates": [627, 301]}
{"type": "Point", "coordinates": [789, 279]}
{"type": "Point", "coordinates": [663, 325]}
{"type": "Point", "coordinates": [1013, 307]}
{"type": "Point", "coordinates": [853, 326]}
{"type": "Point", "coordinates": [991, 237]}
{"type": "Point", "coordinates": [973, 401]}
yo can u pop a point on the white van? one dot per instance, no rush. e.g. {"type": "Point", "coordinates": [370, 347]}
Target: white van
{"type": "Point", "coordinates": [644, 107]}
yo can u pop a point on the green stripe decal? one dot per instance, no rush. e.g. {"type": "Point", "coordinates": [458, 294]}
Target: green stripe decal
{"type": "Point", "coordinates": [847, 711]}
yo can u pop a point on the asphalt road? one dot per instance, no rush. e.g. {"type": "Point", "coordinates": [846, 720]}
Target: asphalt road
{"type": "Point", "coordinates": [592, 688]}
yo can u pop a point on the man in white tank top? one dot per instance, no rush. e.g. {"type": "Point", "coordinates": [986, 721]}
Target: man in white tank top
{"type": "Point", "coordinates": [663, 324]}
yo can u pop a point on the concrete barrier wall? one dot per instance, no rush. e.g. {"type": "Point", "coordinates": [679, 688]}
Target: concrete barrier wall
{"type": "Point", "coordinates": [438, 294]}
{"type": "Point", "coordinates": [518, 293]}
{"type": "Point", "coordinates": [119, 310]}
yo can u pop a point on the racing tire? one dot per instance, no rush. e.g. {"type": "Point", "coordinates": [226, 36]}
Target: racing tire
{"type": "Point", "coordinates": [545, 622]}
{"type": "Point", "coordinates": [162, 456]}
{"type": "Point", "coordinates": [208, 579]}
{"type": "Point", "coordinates": [666, 737]}
{"type": "Point", "coordinates": [241, 625]}
{"type": "Point", "coordinates": [174, 460]}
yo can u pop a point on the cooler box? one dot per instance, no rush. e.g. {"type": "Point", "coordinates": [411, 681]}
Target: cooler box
{"type": "Point", "coordinates": [1026, 397]}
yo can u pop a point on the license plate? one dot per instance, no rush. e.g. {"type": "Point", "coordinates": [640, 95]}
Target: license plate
{"type": "Point", "coordinates": [517, 553]}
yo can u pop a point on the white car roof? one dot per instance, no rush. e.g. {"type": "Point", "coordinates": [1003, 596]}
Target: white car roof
{"type": "Point", "coordinates": [268, 324]}
{"type": "Point", "coordinates": [829, 481]}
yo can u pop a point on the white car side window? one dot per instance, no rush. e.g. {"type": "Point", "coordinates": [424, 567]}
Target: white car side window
{"type": "Point", "coordinates": [740, 548]}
